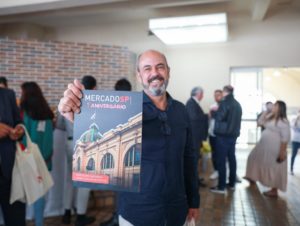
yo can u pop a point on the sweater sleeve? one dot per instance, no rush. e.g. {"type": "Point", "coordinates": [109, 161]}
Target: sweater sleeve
{"type": "Point", "coordinates": [191, 172]}
{"type": "Point", "coordinates": [15, 110]}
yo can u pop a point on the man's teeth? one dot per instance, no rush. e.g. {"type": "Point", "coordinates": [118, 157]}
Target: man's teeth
{"type": "Point", "coordinates": [156, 80]}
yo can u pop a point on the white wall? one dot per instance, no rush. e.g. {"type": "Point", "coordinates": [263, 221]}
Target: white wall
{"type": "Point", "coordinates": [273, 42]}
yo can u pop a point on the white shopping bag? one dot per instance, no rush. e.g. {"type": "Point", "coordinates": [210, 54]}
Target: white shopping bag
{"type": "Point", "coordinates": [190, 223]}
{"type": "Point", "coordinates": [17, 190]}
{"type": "Point", "coordinates": [30, 168]}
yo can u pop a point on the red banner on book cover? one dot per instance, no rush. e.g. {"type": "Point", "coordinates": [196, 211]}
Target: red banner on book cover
{"type": "Point", "coordinates": [91, 178]}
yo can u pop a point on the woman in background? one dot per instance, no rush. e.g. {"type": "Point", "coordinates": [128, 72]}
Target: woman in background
{"type": "Point", "coordinates": [37, 117]}
{"type": "Point", "coordinates": [267, 161]}
{"type": "Point", "coordinates": [295, 140]}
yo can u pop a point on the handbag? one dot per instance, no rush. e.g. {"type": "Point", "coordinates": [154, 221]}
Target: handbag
{"type": "Point", "coordinates": [31, 179]}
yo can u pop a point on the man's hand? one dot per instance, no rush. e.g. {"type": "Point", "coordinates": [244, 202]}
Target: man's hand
{"type": "Point", "coordinates": [193, 213]}
{"type": "Point", "coordinates": [70, 103]}
{"type": "Point", "coordinates": [4, 130]}
{"type": "Point", "coordinates": [16, 133]}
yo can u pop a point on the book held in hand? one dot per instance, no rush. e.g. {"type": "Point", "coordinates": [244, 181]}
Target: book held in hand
{"type": "Point", "coordinates": [108, 141]}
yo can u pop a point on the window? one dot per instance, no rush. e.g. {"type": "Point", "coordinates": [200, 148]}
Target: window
{"type": "Point", "coordinates": [107, 161]}
{"type": "Point", "coordinates": [133, 156]}
{"type": "Point", "coordinates": [91, 164]}
{"type": "Point", "coordinates": [78, 164]}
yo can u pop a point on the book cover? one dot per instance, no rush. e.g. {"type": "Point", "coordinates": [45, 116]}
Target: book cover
{"type": "Point", "coordinates": [108, 141]}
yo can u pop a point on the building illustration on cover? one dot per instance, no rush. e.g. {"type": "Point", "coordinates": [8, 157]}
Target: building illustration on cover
{"type": "Point", "coordinates": [109, 160]}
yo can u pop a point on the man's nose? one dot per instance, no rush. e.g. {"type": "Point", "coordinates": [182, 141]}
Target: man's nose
{"type": "Point", "coordinates": [154, 71]}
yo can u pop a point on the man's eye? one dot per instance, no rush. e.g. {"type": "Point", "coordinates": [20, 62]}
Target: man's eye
{"type": "Point", "coordinates": [161, 67]}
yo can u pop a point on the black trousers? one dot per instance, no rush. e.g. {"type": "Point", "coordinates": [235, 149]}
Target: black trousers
{"type": "Point", "coordinates": [14, 214]}
{"type": "Point", "coordinates": [212, 142]}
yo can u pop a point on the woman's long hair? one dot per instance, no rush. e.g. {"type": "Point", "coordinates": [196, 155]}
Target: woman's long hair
{"type": "Point", "coordinates": [281, 114]}
{"type": "Point", "coordinates": [34, 103]}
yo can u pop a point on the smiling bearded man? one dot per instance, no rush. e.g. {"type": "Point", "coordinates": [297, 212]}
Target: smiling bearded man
{"type": "Point", "coordinates": [168, 187]}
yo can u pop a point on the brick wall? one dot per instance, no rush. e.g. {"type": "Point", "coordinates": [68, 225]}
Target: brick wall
{"type": "Point", "coordinates": [55, 64]}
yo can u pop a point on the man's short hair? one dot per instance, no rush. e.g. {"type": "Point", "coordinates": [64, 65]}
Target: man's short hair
{"type": "Point", "coordinates": [218, 91]}
{"type": "Point", "coordinates": [3, 81]}
{"type": "Point", "coordinates": [196, 90]}
{"type": "Point", "coordinates": [89, 82]}
{"type": "Point", "coordinates": [228, 89]}
{"type": "Point", "coordinates": [123, 84]}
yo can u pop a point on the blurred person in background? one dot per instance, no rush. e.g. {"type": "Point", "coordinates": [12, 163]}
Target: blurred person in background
{"type": "Point", "coordinates": [266, 111]}
{"type": "Point", "coordinates": [227, 129]}
{"type": "Point", "coordinates": [121, 85]}
{"type": "Point", "coordinates": [295, 125]}
{"type": "Point", "coordinates": [81, 195]}
{"type": "Point", "coordinates": [218, 95]}
{"type": "Point", "coordinates": [267, 161]}
{"type": "Point", "coordinates": [199, 122]}
{"type": "Point", "coordinates": [3, 82]}
{"type": "Point", "coordinates": [37, 117]}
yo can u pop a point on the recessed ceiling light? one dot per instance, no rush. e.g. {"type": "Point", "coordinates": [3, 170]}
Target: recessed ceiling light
{"type": "Point", "coordinates": [191, 29]}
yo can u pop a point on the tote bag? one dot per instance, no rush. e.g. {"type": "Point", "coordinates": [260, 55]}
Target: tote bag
{"type": "Point", "coordinates": [17, 190]}
{"type": "Point", "coordinates": [31, 178]}
{"type": "Point", "coordinates": [190, 223]}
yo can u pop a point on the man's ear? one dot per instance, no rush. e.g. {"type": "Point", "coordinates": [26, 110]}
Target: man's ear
{"type": "Point", "coordinates": [169, 69]}
{"type": "Point", "coordinates": [138, 77]}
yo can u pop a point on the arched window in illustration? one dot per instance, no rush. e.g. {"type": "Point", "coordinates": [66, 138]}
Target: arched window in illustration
{"type": "Point", "coordinates": [91, 164]}
{"type": "Point", "coordinates": [133, 156]}
{"type": "Point", "coordinates": [132, 162]}
{"type": "Point", "coordinates": [78, 164]}
{"type": "Point", "coordinates": [107, 161]}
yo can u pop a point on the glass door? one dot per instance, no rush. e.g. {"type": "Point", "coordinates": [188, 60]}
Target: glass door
{"type": "Point", "coordinates": [247, 83]}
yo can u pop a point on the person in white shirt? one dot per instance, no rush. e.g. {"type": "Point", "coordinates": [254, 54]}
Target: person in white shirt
{"type": "Point", "coordinates": [81, 194]}
{"type": "Point", "coordinates": [218, 95]}
{"type": "Point", "coordinates": [295, 125]}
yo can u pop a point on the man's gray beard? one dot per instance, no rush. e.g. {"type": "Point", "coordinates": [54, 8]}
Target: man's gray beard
{"type": "Point", "coordinates": [157, 91]}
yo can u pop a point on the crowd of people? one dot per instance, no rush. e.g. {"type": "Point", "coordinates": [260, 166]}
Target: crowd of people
{"type": "Point", "coordinates": [267, 161]}
{"type": "Point", "coordinates": [173, 135]}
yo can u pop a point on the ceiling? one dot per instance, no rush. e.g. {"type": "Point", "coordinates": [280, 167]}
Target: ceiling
{"type": "Point", "coordinates": [79, 12]}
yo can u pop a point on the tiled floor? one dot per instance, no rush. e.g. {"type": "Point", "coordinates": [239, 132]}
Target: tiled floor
{"type": "Point", "coordinates": [244, 206]}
